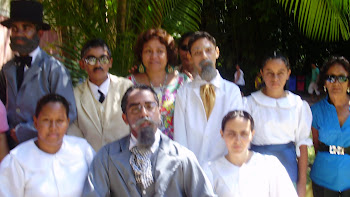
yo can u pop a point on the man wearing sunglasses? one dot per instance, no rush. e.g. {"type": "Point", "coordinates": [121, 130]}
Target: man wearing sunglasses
{"type": "Point", "coordinates": [32, 73]}
{"type": "Point", "coordinates": [98, 99]}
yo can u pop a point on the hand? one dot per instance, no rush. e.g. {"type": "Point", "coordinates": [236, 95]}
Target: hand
{"type": "Point", "coordinates": [301, 188]}
{"type": "Point", "coordinates": [189, 75]}
{"type": "Point", "coordinates": [13, 135]}
{"type": "Point", "coordinates": [133, 70]}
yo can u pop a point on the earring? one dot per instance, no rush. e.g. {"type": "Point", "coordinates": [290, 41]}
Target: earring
{"type": "Point", "coordinates": [348, 90]}
{"type": "Point", "coordinates": [141, 68]}
{"type": "Point", "coordinates": [324, 88]}
{"type": "Point", "coordinates": [169, 69]}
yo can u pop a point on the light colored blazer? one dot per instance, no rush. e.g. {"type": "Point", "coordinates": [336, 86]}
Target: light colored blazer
{"type": "Point", "coordinates": [177, 172]}
{"type": "Point", "coordinates": [46, 75]}
{"type": "Point", "coordinates": [88, 125]}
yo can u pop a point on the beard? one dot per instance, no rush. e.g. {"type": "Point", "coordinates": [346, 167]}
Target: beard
{"type": "Point", "coordinates": [208, 71]}
{"type": "Point", "coordinates": [28, 46]}
{"type": "Point", "coordinates": [145, 135]}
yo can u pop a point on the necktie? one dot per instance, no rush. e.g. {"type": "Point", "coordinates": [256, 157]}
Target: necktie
{"type": "Point", "coordinates": [140, 162]}
{"type": "Point", "coordinates": [102, 96]}
{"type": "Point", "coordinates": [21, 62]}
{"type": "Point", "coordinates": [207, 93]}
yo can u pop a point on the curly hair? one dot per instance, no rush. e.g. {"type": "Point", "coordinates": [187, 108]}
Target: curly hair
{"type": "Point", "coordinates": [328, 64]}
{"type": "Point", "coordinates": [163, 38]}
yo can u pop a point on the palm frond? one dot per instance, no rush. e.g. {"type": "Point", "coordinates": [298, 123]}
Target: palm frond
{"type": "Point", "coordinates": [326, 20]}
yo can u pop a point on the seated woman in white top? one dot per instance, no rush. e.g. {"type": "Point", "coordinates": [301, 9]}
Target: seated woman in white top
{"type": "Point", "coordinates": [242, 172]}
{"type": "Point", "coordinates": [52, 164]}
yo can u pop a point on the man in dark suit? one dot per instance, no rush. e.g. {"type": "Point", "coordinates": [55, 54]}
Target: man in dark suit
{"type": "Point", "coordinates": [32, 73]}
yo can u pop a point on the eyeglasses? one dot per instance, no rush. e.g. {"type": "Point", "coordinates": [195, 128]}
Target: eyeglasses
{"type": "Point", "coordinates": [92, 60]}
{"type": "Point", "coordinates": [137, 108]}
{"type": "Point", "coordinates": [340, 79]}
{"type": "Point", "coordinates": [184, 47]}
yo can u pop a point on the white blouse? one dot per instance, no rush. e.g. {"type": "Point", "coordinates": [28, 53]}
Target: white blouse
{"type": "Point", "coordinates": [28, 171]}
{"type": "Point", "coordinates": [262, 175]}
{"type": "Point", "coordinates": [280, 121]}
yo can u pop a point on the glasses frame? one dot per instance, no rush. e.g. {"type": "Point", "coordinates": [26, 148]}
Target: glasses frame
{"type": "Point", "coordinates": [184, 47]}
{"type": "Point", "coordinates": [97, 59]}
{"type": "Point", "coordinates": [334, 78]}
{"type": "Point", "coordinates": [137, 108]}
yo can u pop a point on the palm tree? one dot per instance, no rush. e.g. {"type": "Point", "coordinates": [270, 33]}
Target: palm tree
{"type": "Point", "coordinates": [326, 20]}
{"type": "Point", "coordinates": [118, 22]}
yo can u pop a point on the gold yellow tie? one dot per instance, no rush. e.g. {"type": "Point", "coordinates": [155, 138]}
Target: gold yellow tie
{"type": "Point", "coordinates": [208, 97]}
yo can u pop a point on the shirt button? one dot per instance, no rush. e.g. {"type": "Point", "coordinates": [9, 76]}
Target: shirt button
{"type": "Point", "coordinates": [144, 192]}
{"type": "Point", "coordinates": [18, 110]}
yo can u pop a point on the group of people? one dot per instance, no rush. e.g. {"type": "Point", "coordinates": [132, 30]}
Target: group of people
{"type": "Point", "coordinates": [163, 131]}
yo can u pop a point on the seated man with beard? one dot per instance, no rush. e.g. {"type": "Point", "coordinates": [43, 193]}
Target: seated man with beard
{"type": "Point", "coordinates": [201, 104]}
{"type": "Point", "coordinates": [146, 162]}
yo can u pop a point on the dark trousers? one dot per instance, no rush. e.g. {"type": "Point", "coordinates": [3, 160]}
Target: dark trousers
{"type": "Point", "coordinates": [320, 191]}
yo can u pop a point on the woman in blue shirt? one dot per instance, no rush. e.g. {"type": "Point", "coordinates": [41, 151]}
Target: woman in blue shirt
{"type": "Point", "coordinates": [330, 172]}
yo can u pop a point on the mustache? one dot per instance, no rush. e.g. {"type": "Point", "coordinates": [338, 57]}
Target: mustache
{"type": "Point", "coordinates": [20, 38]}
{"type": "Point", "coordinates": [143, 120]}
{"type": "Point", "coordinates": [98, 68]}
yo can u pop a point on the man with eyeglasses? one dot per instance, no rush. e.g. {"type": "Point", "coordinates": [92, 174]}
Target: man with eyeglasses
{"type": "Point", "coordinates": [146, 162]}
{"type": "Point", "coordinates": [201, 104]}
{"type": "Point", "coordinates": [98, 99]}
{"type": "Point", "coordinates": [32, 73]}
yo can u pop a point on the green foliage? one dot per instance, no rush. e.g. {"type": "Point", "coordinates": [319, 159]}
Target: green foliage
{"type": "Point", "coordinates": [248, 30]}
{"type": "Point", "coordinates": [118, 22]}
{"type": "Point", "coordinates": [326, 20]}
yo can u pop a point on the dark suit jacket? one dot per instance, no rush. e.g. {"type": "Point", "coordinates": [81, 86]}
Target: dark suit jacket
{"type": "Point", "coordinates": [46, 75]}
{"type": "Point", "coordinates": [177, 172]}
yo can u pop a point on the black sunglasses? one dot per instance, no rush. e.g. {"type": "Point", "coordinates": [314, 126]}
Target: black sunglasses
{"type": "Point", "coordinates": [184, 47]}
{"type": "Point", "coordinates": [340, 79]}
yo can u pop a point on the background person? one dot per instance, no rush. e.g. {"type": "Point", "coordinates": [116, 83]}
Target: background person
{"type": "Point", "coordinates": [4, 149]}
{"type": "Point", "coordinates": [98, 99]}
{"type": "Point", "coordinates": [282, 119]}
{"type": "Point", "coordinates": [185, 67]}
{"type": "Point", "coordinates": [242, 172]}
{"type": "Point", "coordinates": [52, 164]}
{"type": "Point", "coordinates": [156, 51]}
{"type": "Point", "coordinates": [330, 173]}
{"type": "Point", "coordinates": [239, 78]}
{"type": "Point", "coordinates": [313, 84]}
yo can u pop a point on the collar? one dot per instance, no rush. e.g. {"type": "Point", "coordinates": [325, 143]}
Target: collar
{"type": "Point", "coordinates": [155, 145]}
{"type": "Point", "coordinates": [287, 102]}
{"type": "Point", "coordinates": [34, 54]}
{"type": "Point", "coordinates": [103, 87]}
{"type": "Point", "coordinates": [217, 81]}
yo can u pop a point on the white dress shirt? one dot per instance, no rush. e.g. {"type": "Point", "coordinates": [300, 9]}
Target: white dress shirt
{"type": "Point", "coordinates": [191, 127]}
{"type": "Point", "coordinates": [28, 171]}
{"type": "Point", "coordinates": [103, 88]}
{"type": "Point", "coordinates": [262, 175]}
{"type": "Point", "coordinates": [280, 121]}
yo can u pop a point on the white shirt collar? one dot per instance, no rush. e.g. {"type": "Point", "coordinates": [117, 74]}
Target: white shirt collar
{"type": "Point", "coordinates": [103, 87]}
{"type": "Point", "coordinates": [155, 145]}
{"type": "Point", "coordinates": [34, 53]}
{"type": "Point", "coordinates": [216, 81]}
{"type": "Point", "coordinates": [288, 101]}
